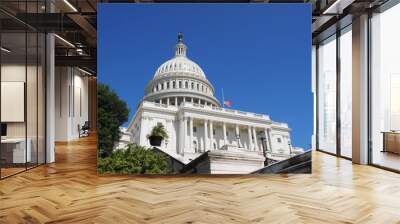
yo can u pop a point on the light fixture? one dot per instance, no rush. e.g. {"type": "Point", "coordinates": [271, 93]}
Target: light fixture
{"type": "Point", "coordinates": [84, 71]}
{"type": "Point", "coordinates": [70, 5]}
{"type": "Point", "coordinates": [64, 40]}
{"type": "Point", "coordinates": [5, 50]}
{"type": "Point", "coordinates": [337, 7]}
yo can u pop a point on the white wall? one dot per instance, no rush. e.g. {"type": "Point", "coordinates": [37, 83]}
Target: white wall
{"type": "Point", "coordinates": [149, 120]}
{"type": "Point", "coordinates": [71, 102]}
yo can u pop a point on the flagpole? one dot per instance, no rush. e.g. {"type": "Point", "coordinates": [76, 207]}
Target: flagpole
{"type": "Point", "coordinates": [223, 100]}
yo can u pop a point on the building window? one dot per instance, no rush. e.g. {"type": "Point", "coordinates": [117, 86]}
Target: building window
{"type": "Point", "coordinates": [194, 129]}
{"type": "Point", "coordinates": [279, 140]}
{"type": "Point", "coordinates": [186, 85]}
{"type": "Point", "coordinates": [215, 145]}
{"type": "Point", "coordinates": [180, 84]}
{"type": "Point", "coordinates": [167, 85]}
{"type": "Point", "coordinates": [327, 95]}
{"type": "Point", "coordinates": [345, 82]}
{"type": "Point", "coordinates": [198, 86]}
{"type": "Point", "coordinates": [173, 84]}
{"type": "Point", "coordinates": [192, 85]}
{"type": "Point", "coordinates": [385, 89]}
{"type": "Point", "coordinates": [213, 131]}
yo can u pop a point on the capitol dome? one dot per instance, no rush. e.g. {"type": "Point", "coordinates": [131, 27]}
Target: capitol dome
{"type": "Point", "coordinates": [178, 80]}
{"type": "Point", "coordinates": [179, 64]}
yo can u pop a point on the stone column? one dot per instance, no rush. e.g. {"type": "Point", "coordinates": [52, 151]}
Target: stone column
{"type": "Point", "coordinates": [176, 101]}
{"type": "Point", "coordinates": [211, 136]}
{"type": "Point", "coordinates": [250, 141]}
{"type": "Point", "coordinates": [267, 148]}
{"type": "Point", "coordinates": [191, 133]}
{"type": "Point", "coordinates": [224, 133]}
{"type": "Point", "coordinates": [269, 139]}
{"type": "Point", "coordinates": [192, 100]}
{"type": "Point", "coordinates": [185, 120]}
{"type": "Point", "coordinates": [180, 150]}
{"type": "Point", "coordinates": [205, 136]}
{"type": "Point", "coordinates": [237, 133]}
{"type": "Point", "coordinates": [255, 139]}
{"type": "Point", "coordinates": [167, 101]}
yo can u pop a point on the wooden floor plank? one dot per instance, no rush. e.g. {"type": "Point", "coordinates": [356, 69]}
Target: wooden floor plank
{"type": "Point", "coordinates": [70, 191]}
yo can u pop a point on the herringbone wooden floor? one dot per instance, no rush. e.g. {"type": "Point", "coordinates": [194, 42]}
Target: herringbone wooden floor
{"type": "Point", "coordinates": [70, 191]}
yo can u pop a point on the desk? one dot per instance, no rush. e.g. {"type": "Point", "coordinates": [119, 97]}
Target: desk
{"type": "Point", "coordinates": [391, 142]}
{"type": "Point", "coordinates": [13, 150]}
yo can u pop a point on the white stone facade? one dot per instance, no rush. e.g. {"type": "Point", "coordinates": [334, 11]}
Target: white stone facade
{"type": "Point", "coordinates": [182, 99]}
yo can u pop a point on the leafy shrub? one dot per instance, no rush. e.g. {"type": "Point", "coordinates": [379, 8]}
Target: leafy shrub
{"type": "Point", "coordinates": [133, 160]}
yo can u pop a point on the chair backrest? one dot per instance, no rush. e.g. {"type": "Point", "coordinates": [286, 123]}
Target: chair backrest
{"type": "Point", "coordinates": [86, 124]}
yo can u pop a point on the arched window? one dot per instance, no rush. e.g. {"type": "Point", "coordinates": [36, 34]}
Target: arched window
{"type": "Point", "coordinates": [167, 85]}
{"type": "Point", "coordinates": [198, 87]}
{"type": "Point", "coordinates": [202, 88]}
{"type": "Point", "coordinates": [180, 84]}
{"type": "Point", "coordinates": [192, 85]}
{"type": "Point", "coordinates": [173, 84]}
{"type": "Point", "coordinates": [186, 85]}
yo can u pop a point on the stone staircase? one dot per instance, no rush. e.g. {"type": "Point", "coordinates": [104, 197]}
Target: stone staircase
{"type": "Point", "coordinates": [297, 164]}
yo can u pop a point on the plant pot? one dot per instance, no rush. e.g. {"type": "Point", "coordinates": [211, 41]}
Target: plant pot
{"type": "Point", "coordinates": [155, 140]}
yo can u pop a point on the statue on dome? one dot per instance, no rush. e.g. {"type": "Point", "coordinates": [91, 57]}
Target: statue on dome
{"type": "Point", "coordinates": [180, 36]}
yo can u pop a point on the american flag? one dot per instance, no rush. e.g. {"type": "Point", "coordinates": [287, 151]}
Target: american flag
{"type": "Point", "coordinates": [228, 103]}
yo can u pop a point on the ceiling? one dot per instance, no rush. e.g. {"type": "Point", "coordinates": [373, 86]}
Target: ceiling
{"type": "Point", "coordinates": [75, 21]}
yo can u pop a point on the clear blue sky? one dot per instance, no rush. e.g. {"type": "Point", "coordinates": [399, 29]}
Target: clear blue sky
{"type": "Point", "coordinates": [260, 54]}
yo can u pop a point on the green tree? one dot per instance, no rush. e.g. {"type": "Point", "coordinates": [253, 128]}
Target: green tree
{"type": "Point", "coordinates": [112, 113]}
{"type": "Point", "coordinates": [133, 160]}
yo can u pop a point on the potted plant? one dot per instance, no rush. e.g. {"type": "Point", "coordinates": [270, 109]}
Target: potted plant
{"type": "Point", "coordinates": [158, 133]}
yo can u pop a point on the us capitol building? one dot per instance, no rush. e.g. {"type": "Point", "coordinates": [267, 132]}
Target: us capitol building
{"type": "Point", "coordinates": [182, 99]}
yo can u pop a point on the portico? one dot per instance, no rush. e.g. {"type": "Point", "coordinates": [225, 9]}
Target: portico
{"type": "Point", "coordinates": [201, 133]}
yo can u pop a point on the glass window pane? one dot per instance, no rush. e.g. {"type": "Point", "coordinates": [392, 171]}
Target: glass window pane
{"type": "Point", "coordinates": [346, 92]}
{"type": "Point", "coordinates": [41, 98]}
{"type": "Point", "coordinates": [31, 97]}
{"type": "Point", "coordinates": [385, 92]}
{"type": "Point", "coordinates": [13, 87]}
{"type": "Point", "coordinates": [327, 95]}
